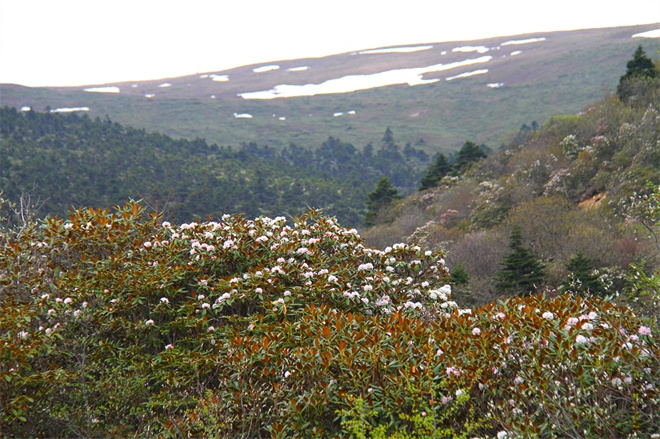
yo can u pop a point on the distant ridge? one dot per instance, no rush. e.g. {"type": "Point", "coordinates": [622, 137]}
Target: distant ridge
{"type": "Point", "coordinates": [439, 93]}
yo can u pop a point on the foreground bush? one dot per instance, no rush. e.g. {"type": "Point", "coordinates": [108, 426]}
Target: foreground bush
{"type": "Point", "coordinates": [114, 324]}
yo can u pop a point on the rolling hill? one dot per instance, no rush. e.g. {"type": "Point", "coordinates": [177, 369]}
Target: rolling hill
{"type": "Point", "coordinates": [434, 95]}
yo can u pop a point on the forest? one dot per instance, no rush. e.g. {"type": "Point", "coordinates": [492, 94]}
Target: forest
{"type": "Point", "coordinates": [66, 160]}
{"type": "Point", "coordinates": [514, 293]}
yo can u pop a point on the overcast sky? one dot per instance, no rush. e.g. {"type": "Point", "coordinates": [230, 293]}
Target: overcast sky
{"type": "Point", "coordinates": [84, 42]}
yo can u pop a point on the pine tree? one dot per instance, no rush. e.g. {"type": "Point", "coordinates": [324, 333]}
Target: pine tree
{"type": "Point", "coordinates": [436, 172]}
{"type": "Point", "coordinates": [521, 272]}
{"type": "Point", "coordinates": [388, 137]}
{"type": "Point", "coordinates": [382, 196]}
{"type": "Point", "coordinates": [581, 279]}
{"type": "Point", "coordinates": [639, 67]}
{"type": "Point", "coordinates": [459, 276]}
{"type": "Point", "coordinates": [469, 153]}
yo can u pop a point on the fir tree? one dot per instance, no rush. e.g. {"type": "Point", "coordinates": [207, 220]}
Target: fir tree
{"type": "Point", "coordinates": [459, 276]}
{"type": "Point", "coordinates": [388, 137]}
{"type": "Point", "coordinates": [469, 153]}
{"type": "Point", "coordinates": [639, 67]}
{"type": "Point", "coordinates": [581, 279]}
{"type": "Point", "coordinates": [521, 272]}
{"type": "Point", "coordinates": [436, 172]}
{"type": "Point", "coordinates": [382, 196]}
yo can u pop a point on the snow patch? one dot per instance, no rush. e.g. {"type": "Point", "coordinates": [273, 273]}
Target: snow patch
{"type": "Point", "coordinates": [407, 49]}
{"type": "Point", "coordinates": [516, 52]}
{"type": "Point", "coordinates": [468, 74]}
{"type": "Point", "coordinates": [69, 110]}
{"type": "Point", "coordinates": [220, 78]}
{"type": "Point", "coordinates": [102, 90]}
{"type": "Point", "coordinates": [527, 41]}
{"type": "Point", "coordinates": [648, 34]}
{"type": "Point", "coordinates": [149, 95]}
{"type": "Point", "coordinates": [26, 108]}
{"type": "Point", "coordinates": [204, 76]}
{"type": "Point", "coordinates": [338, 114]}
{"type": "Point", "coordinates": [478, 49]}
{"type": "Point", "coordinates": [352, 112]}
{"type": "Point", "coordinates": [281, 118]}
{"type": "Point", "coordinates": [242, 116]}
{"type": "Point", "coordinates": [165, 85]}
{"type": "Point", "coordinates": [265, 69]}
{"type": "Point", "coordinates": [351, 83]}
{"type": "Point", "coordinates": [495, 85]}
{"type": "Point", "coordinates": [298, 69]}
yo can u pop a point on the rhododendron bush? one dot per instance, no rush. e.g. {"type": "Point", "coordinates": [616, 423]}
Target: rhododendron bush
{"type": "Point", "coordinates": [116, 324]}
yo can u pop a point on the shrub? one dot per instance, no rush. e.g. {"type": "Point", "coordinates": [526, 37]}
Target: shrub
{"type": "Point", "coordinates": [116, 325]}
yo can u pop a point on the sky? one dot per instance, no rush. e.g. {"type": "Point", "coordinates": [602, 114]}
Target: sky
{"type": "Point", "coordinates": [91, 42]}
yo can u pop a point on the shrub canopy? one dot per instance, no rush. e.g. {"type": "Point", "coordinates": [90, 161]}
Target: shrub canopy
{"type": "Point", "coordinates": [116, 324]}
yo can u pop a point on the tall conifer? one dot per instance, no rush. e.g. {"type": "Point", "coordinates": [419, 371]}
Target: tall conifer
{"type": "Point", "coordinates": [521, 272]}
{"type": "Point", "coordinates": [639, 67]}
{"type": "Point", "coordinates": [582, 278]}
{"type": "Point", "coordinates": [436, 172]}
{"type": "Point", "coordinates": [382, 196]}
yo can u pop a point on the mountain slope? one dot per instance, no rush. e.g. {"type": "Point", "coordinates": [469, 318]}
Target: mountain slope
{"type": "Point", "coordinates": [575, 186]}
{"type": "Point", "coordinates": [528, 78]}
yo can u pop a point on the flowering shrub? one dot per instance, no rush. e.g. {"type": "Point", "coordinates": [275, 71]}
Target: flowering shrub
{"type": "Point", "coordinates": [115, 324]}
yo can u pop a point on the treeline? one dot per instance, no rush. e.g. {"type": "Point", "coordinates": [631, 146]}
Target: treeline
{"type": "Point", "coordinates": [71, 160]}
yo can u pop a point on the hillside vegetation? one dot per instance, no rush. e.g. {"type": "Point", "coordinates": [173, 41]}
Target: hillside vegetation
{"type": "Point", "coordinates": [572, 187]}
{"type": "Point", "coordinates": [118, 323]}
{"type": "Point", "coordinates": [64, 160]}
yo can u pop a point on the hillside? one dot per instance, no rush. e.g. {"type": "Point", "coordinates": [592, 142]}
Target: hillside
{"type": "Point", "coordinates": [574, 186]}
{"type": "Point", "coordinates": [508, 81]}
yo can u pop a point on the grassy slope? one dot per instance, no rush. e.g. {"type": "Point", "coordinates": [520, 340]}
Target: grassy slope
{"type": "Point", "coordinates": [560, 75]}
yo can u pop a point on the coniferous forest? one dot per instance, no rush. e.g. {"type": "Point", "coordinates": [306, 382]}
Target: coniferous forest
{"type": "Point", "coordinates": [501, 293]}
{"type": "Point", "coordinates": [67, 160]}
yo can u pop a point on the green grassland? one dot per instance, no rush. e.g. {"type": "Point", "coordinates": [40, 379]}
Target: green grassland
{"type": "Point", "coordinates": [557, 76]}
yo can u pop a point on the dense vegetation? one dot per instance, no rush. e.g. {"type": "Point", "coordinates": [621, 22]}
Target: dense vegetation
{"type": "Point", "coordinates": [119, 323]}
{"type": "Point", "coordinates": [573, 188]}
{"type": "Point", "coordinates": [67, 160]}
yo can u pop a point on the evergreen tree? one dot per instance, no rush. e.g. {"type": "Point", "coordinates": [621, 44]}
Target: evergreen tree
{"type": "Point", "coordinates": [469, 153]}
{"type": "Point", "coordinates": [581, 279]}
{"type": "Point", "coordinates": [521, 272]}
{"type": "Point", "coordinates": [388, 137]}
{"type": "Point", "coordinates": [436, 172]}
{"type": "Point", "coordinates": [639, 67]}
{"type": "Point", "coordinates": [459, 276]}
{"type": "Point", "coordinates": [381, 197]}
